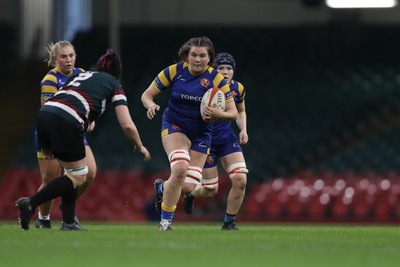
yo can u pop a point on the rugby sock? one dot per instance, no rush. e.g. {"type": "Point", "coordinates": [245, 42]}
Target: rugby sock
{"type": "Point", "coordinates": [167, 213]}
{"type": "Point", "coordinates": [229, 217]}
{"type": "Point", "coordinates": [68, 206]}
{"type": "Point", "coordinates": [57, 187]}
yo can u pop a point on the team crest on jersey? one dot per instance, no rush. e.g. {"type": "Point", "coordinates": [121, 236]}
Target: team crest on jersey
{"type": "Point", "coordinates": [210, 159]}
{"type": "Point", "coordinates": [175, 127]}
{"type": "Point", "coordinates": [205, 83]}
{"type": "Point", "coordinates": [234, 94]}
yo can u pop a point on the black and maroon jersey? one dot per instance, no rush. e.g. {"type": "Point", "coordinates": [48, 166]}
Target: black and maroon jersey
{"type": "Point", "coordinates": [85, 96]}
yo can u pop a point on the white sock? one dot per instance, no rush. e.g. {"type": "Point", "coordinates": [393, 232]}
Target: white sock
{"type": "Point", "coordinates": [41, 217]}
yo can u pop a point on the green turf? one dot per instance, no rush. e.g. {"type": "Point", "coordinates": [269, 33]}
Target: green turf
{"type": "Point", "coordinates": [202, 245]}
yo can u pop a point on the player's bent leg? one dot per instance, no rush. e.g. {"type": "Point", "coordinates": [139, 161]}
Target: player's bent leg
{"type": "Point", "coordinates": [192, 179]}
{"type": "Point", "coordinates": [188, 187]}
{"type": "Point", "coordinates": [192, 182]}
{"type": "Point", "coordinates": [188, 198]}
{"type": "Point", "coordinates": [199, 190]}
{"type": "Point", "coordinates": [210, 187]}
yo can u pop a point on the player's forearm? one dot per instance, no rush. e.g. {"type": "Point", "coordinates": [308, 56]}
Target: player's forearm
{"type": "Point", "coordinates": [241, 121]}
{"type": "Point", "coordinates": [230, 113]}
{"type": "Point", "coordinates": [147, 97]}
{"type": "Point", "coordinates": [147, 101]}
{"type": "Point", "coordinates": [132, 134]}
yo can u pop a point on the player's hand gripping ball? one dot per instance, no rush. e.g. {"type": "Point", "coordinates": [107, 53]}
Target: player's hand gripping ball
{"type": "Point", "coordinates": [213, 97]}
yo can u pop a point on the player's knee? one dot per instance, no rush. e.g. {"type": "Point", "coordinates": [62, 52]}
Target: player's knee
{"type": "Point", "coordinates": [239, 181]}
{"type": "Point", "coordinates": [194, 175]}
{"type": "Point", "coordinates": [179, 161]}
{"type": "Point", "coordinates": [179, 156]}
{"type": "Point", "coordinates": [179, 172]}
{"type": "Point", "coordinates": [91, 175]}
{"type": "Point", "coordinates": [210, 185]}
{"type": "Point", "coordinates": [238, 175]}
{"type": "Point", "coordinates": [77, 175]}
{"type": "Point", "coordinates": [237, 168]}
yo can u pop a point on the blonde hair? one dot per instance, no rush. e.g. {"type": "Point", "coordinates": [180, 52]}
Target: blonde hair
{"type": "Point", "coordinates": [52, 50]}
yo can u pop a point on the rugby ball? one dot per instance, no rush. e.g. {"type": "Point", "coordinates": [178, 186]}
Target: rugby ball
{"type": "Point", "coordinates": [212, 97]}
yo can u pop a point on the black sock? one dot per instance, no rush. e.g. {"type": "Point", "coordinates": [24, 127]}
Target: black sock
{"type": "Point", "coordinates": [57, 187]}
{"type": "Point", "coordinates": [68, 206]}
{"type": "Point", "coordinates": [229, 218]}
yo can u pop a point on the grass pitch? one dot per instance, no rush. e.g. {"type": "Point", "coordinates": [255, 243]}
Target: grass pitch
{"type": "Point", "coordinates": [202, 245]}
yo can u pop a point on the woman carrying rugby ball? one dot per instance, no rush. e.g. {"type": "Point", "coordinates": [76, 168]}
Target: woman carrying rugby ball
{"type": "Point", "coordinates": [186, 137]}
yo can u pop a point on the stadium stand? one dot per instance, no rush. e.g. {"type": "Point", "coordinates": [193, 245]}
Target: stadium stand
{"type": "Point", "coordinates": [339, 198]}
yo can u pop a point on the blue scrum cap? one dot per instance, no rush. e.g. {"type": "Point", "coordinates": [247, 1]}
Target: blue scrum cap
{"type": "Point", "coordinates": [224, 59]}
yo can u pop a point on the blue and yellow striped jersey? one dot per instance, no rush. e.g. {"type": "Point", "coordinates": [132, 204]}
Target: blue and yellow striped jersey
{"type": "Point", "coordinates": [53, 81]}
{"type": "Point", "coordinates": [187, 90]}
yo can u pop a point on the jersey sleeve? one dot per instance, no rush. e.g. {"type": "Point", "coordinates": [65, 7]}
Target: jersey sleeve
{"type": "Point", "coordinates": [242, 93]}
{"type": "Point", "coordinates": [119, 96]}
{"type": "Point", "coordinates": [220, 82]}
{"type": "Point", "coordinates": [48, 86]}
{"type": "Point", "coordinates": [164, 78]}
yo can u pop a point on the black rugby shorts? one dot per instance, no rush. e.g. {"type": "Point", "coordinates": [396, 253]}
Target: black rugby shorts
{"type": "Point", "coordinates": [62, 138]}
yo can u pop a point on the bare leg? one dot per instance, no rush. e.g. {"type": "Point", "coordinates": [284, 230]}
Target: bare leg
{"type": "Point", "coordinates": [236, 194]}
{"type": "Point", "coordinates": [91, 163]}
